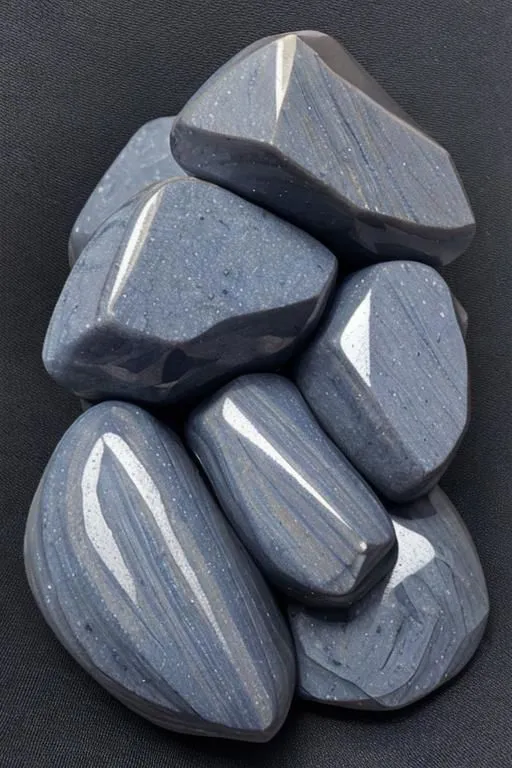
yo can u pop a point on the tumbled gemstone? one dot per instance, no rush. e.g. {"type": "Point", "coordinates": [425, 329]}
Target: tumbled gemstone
{"type": "Point", "coordinates": [387, 376]}
{"type": "Point", "coordinates": [181, 288]}
{"type": "Point", "coordinates": [295, 124]}
{"type": "Point", "coordinates": [310, 521]}
{"type": "Point", "coordinates": [136, 571]}
{"type": "Point", "coordinates": [411, 633]}
{"type": "Point", "coordinates": [146, 159]}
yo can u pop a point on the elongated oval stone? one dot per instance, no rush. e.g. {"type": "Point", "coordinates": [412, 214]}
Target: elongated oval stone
{"type": "Point", "coordinates": [387, 376]}
{"type": "Point", "coordinates": [136, 571]}
{"type": "Point", "coordinates": [410, 634]}
{"type": "Point", "coordinates": [295, 124]}
{"type": "Point", "coordinates": [182, 288]}
{"type": "Point", "coordinates": [145, 160]}
{"type": "Point", "coordinates": [310, 521]}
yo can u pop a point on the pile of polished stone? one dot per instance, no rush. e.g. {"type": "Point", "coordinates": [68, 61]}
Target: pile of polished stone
{"type": "Point", "coordinates": [303, 193]}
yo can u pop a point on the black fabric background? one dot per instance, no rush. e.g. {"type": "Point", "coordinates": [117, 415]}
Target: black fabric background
{"type": "Point", "coordinates": [76, 80]}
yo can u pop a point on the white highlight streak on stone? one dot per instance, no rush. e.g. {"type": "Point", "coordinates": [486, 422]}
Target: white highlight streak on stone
{"type": "Point", "coordinates": [151, 496]}
{"type": "Point", "coordinates": [96, 527]}
{"type": "Point", "coordinates": [236, 419]}
{"type": "Point", "coordinates": [414, 553]}
{"type": "Point", "coordinates": [285, 53]}
{"type": "Point", "coordinates": [134, 245]}
{"type": "Point", "coordinates": [355, 339]}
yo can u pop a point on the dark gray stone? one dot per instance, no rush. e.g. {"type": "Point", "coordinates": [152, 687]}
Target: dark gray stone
{"type": "Point", "coordinates": [136, 571]}
{"type": "Point", "coordinates": [387, 376]}
{"type": "Point", "coordinates": [146, 159]}
{"type": "Point", "coordinates": [410, 634]}
{"type": "Point", "coordinates": [295, 124]}
{"type": "Point", "coordinates": [181, 288]}
{"type": "Point", "coordinates": [310, 521]}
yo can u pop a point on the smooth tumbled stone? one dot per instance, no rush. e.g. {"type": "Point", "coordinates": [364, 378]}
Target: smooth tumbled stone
{"type": "Point", "coordinates": [183, 287]}
{"type": "Point", "coordinates": [309, 520]}
{"type": "Point", "coordinates": [387, 376]}
{"type": "Point", "coordinates": [410, 634]}
{"type": "Point", "coordinates": [146, 159]}
{"type": "Point", "coordinates": [294, 123]}
{"type": "Point", "coordinates": [136, 571]}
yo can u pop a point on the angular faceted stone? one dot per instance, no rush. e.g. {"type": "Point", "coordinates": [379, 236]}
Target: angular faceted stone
{"type": "Point", "coordinates": [136, 571]}
{"type": "Point", "coordinates": [181, 288]}
{"type": "Point", "coordinates": [146, 159]}
{"type": "Point", "coordinates": [387, 376]}
{"type": "Point", "coordinates": [309, 520]}
{"type": "Point", "coordinates": [295, 124]}
{"type": "Point", "coordinates": [411, 633]}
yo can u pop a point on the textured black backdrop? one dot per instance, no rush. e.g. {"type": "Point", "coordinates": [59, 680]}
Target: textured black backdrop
{"type": "Point", "coordinates": [76, 79]}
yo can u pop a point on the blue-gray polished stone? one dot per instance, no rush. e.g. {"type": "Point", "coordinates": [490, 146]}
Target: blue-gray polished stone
{"type": "Point", "coordinates": [295, 124]}
{"type": "Point", "coordinates": [145, 160]}
{"type": "Point", "coordinates": [179, 290]}
{"type": "Point", "coordinates": [309, 520]}
{"type": "Point", "coordinates": [136, 571]}
{"type": "Point", "coordinates": [387, 376]}
{"type": "Point", "coordinates": [413, 632]}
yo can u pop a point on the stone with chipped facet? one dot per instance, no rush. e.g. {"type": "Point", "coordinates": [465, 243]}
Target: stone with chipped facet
{"type": "Point", "coordinates": [180, 289]}
{"type": "Point", "coordinates": [136, 571]}
{"type": "Point", "coordinates": [410, 634]}
{"type": "Point", "coordinates": [145, 160]}
{"type": "Point", "coordinates": [309, 520]}
{"type": "Point", "coordinates": [387, 376]}
{"type": "Point", "coordinates": [294, 123]}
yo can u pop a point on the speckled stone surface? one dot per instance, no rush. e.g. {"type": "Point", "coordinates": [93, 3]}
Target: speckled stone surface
{"type": "Point", "coordinates": [146, 159]}
{"type": "Point", "coordinates": [306, 516]}
{"type": "Point", "coordinates": [136, 571]}
{"type": "Point", "coordinates": [412, 633]}
{"type": "Point", "coordinates": [387, 376]}
{"type": "Point", "coordinates": [181, 288]}
{"type": "Point", "coordinates": [295, 124]}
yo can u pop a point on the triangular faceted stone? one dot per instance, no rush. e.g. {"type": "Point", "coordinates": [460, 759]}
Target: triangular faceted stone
{"type": "Point", "coordinates": [296, 125]}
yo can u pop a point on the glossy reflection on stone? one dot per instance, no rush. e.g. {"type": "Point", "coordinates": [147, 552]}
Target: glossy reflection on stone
{"type": "Point", "coordinates": [145, 160]}
{"type": "Point", "coordinates": [294, 123]}
{"type": "Point", "coordinates": [412, 633]}
{"type": "Point", "coordinates": [135, 569]}
{"type": "Point", "coordinates": [387, 376]}
{"type": "Point", "coordinates": [182, 288]}
{"type": "Point", "coordinates": [310, 521]}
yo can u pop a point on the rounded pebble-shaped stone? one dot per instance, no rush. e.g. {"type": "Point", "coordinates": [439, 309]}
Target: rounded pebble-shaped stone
{"type": "Point", "coordinates": [136, 571]}
{"type": "Point", "coordinates": [410, 634]}
{"type": "Point", "coordinates": [181, 289]}
{"type": "Point", "coordinates": [310, 521]}
{"type": "Point", "coordinates": [387, 376]}
{"type": "Point", "coordinates": [145, 160]}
